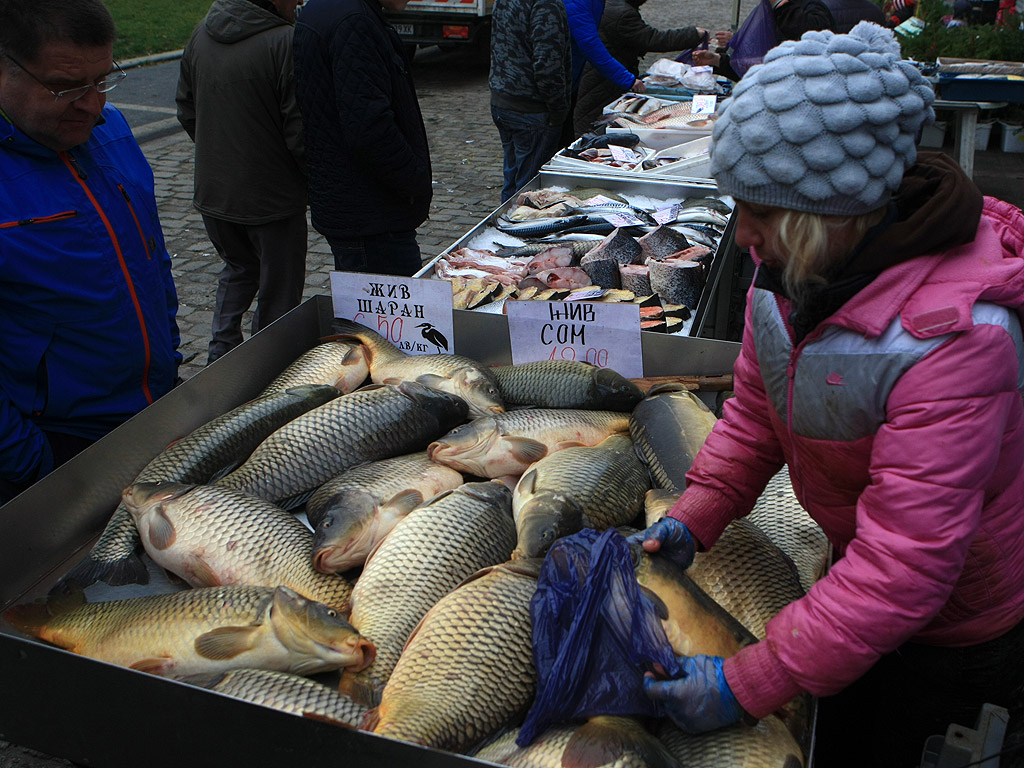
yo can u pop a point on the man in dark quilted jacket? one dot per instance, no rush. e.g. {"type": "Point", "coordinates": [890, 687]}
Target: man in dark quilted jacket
{"type": "Point", "coordinates": [366, 147]}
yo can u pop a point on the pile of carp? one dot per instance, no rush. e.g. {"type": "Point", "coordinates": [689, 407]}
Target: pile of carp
{"type": "Point", "coordinates": [433, 494]}
{"type": "Point", "coordinates": [571, 247]}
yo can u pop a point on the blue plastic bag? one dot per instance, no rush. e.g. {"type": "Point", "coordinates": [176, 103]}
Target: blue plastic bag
{"type": "Point", "coordinates": [755, 37]}
{"type": "Point", "coordinates": [686, 57]}
{"type": "Point", "coordinates": [594, 635]}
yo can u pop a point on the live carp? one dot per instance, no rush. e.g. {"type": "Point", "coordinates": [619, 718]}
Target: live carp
{"type": "Point", "coordinates": [202, 631]}
{"type": "Point", "coordinates": [566, 384]}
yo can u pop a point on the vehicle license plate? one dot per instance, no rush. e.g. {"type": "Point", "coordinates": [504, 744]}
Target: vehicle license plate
{"type": "Point", "coordinates": [405, 29]}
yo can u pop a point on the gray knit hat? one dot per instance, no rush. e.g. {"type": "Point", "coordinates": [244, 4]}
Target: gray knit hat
{"type": "Point", "coordinates": [826, 124]}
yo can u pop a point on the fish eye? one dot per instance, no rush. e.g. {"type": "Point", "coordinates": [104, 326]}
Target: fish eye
{"type": "Point", "coordinates": [325, 523]}
{"type": "Point", "coordinates": [332, 613]}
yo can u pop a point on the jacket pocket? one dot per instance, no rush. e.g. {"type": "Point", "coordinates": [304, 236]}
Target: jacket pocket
{"type": "Point", "coordinates": [47, 219]}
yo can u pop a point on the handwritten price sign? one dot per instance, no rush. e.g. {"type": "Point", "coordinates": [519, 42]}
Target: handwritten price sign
{"type": "Point", "coordinates": [602, 334]}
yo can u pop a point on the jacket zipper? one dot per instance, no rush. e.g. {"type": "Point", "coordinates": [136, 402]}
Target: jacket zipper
{"type": "Point", "coordinates": [790, 377]}
{"type": "Point", "coordinates": [138, 225]}
{"type": "Point", "coordinates": [80, 176]}
{"type": "Point", "coordinates": [39, 219]}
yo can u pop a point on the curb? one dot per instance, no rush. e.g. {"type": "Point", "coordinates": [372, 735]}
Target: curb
{"type": "Point", "coordinates": [153, 58]}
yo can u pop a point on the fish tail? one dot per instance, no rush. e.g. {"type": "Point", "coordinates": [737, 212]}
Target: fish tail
{"type": "Point", "coordinates": [370, 720]}
{"type": "Point", "coordinates": [360, 687]}
{"type": "Point", "coordinates": [128, 569]}
{"type": "Point", "coordinates": [32, 618]}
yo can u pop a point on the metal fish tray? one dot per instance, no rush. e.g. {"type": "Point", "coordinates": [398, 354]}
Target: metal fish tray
{"type": "Point", "coordinates": [99, 714]}
{"type": "Point", "coordinates": [711, 318]}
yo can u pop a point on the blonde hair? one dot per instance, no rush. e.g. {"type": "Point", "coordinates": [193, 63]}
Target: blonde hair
{"type": "Point", "coordinates": [814, 242]}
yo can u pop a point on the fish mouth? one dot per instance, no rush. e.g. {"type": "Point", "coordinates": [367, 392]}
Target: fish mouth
{"type": "Point", "coordinates": [496, 409]}
{"type": "Point", "coordinates": [365, 652]}
{"type": "Point", "coordinates": [333, 559]}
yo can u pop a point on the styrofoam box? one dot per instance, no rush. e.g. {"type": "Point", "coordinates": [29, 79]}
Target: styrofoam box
{"type": "Point", "coordinates": [933, 135]}
{"type": "Point", "coordinates": [662, 138]}
{"type": "Point", "coordinates": [982, 134]}
{"type": "Point", "coordinates": [1013, 137]}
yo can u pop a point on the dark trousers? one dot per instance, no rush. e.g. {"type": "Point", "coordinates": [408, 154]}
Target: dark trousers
{"type": "Point", "coordinates": [527, 142]}
{"type": "Point", "coordinates": [262, 261]}
{"type": "Point", "coordinates": [391, 253]}
{"type": "Point", "coordinates": [884, 719]}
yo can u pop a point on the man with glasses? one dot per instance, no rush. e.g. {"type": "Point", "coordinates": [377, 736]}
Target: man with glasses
{"type": "Point", "coordinates": [88, 335]}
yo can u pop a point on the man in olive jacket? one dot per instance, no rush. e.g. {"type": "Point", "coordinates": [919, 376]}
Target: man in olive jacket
{"type": "Point", "coordinates": [236, 99]}
{"type": "Point", "coordinates": [369, 164]}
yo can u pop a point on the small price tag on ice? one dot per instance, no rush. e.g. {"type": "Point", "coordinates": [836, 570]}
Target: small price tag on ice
{"type": "Point", "coordinates": [703, 104]}
{"type": "Point", "coordinates": [667, 215]}
{"type": "Point", "coordinates": [701, 70]}
{"type": "Point", "coordinates": [623, 219]}
{"type": "Point", "coordinates": [623, 154]}
{"type": "Point", "coordinates": [598, 200]}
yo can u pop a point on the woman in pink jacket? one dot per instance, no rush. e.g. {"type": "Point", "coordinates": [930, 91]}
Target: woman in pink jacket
{"type": "Point", "coordinates": [883, 363]}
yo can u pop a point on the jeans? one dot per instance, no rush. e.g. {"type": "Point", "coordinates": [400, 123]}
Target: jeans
{"type": "Point", "coordinates": [527, 142]}
{"type": "Point", "coordinates": [391, 253]}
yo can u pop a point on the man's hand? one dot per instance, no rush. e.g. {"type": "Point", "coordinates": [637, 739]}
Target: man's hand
{"type": "Point", "coordinates": [722, 38]}
{"type": "Point", "coordinates": [700, 699]}
{"type": "Point", "coordinates": [670, 537]}
{"type": "Point", "coordinates": [706, 59]}
{"type": "Point", "coordinates": [638, 86]}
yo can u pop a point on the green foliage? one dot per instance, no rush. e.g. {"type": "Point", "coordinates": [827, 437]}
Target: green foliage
{"type": "Point", "coordinates": [1004, 42]}
{"type": "Point", "coordinates": [154, 26]}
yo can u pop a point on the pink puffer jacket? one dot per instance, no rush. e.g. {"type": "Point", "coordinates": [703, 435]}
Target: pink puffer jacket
{"type": "Point", "coordinates": [901, 421]}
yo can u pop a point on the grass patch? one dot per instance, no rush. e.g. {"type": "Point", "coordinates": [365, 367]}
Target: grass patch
{"type": "Point", "coordinates": [154, 26]}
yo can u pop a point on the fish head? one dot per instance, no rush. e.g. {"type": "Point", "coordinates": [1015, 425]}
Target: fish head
{"type": "Point", "coordinates": [142, 497]}
{"type": "Point", "coordinates": [355, 367]}
{"type": "Point", "coordinates": [467, 447]}
{"type": "Point", "coordinates": [318, 636]}
{"type": "Point", "coordinates": [347, 532]}
{"type": "Point", "coordinates": [446, 408]}
{"type": "Point", "coordinates": [493, 492]}
{"type": "Point", "coordinates": [614, 391]}
{"type": "Point", "coordinates": [543, 519]}
{"type": "Point", "coordinates": [480, 391]}
{"type": "Point", "coordinates": [316, 393]}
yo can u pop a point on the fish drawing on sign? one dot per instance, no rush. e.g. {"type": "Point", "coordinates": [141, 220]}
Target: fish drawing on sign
{"type": "Point", "coordinates": [434, 336]}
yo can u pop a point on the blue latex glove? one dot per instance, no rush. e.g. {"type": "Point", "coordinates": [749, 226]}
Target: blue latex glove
{"type": "Point", "coordinates": [700, 699]}
{"type": "Point", "coordinates": [670, 537]}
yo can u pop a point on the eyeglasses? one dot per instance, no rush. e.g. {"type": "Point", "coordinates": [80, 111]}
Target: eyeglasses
{"type": "Point", "coordinates": [108, 83]}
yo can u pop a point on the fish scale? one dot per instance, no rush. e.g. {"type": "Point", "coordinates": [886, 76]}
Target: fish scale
{"type": "Point", "coordinates": [221, 536]}
{"type": "Point", "coordinates": [768, 744]}
{"type": "Point", "coordinates": [366, 425]}
{"type": "Point", "coordinates": [427, 555]}
{"type": "Point", "coordinates": [566, 384]}
{"type": "Point", "coordinates": [196, 458]}
{"type": "Point", "coordinates": [468, 670]}
{"type": "Point", "coordinates": [668, 427]}
{"type": "Point", "coordinates": [290, 693]}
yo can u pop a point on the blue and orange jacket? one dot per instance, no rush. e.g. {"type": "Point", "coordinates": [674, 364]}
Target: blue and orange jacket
{"type": "Point", "coordinates": [87, 301]}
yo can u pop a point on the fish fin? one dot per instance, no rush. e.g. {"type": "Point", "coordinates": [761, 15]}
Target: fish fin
{"type": "Point", "coordinates": [224, 471]}
{"type": "Point", "coordinates": [432, 380]}
{"type": "Point", "coordinates": [405, 501]}
{"type": "Point", "coordinates": [156, 666]}
{"type": "Point", "coordinates": [568, 444]}
{"type": "Point", "coordinates": [325, 719]}
{"type": "Point", "coordinates": [528, 482]}
{"type": "Point", "coordinates": [526, 451]}
{"type": "Point", "coordinates": [659, 605]}
{"type": "Point", "coordinates": [32, 618]}
{"type": "Point", "coordinates": [204, 679]}
{"type": "Point", "coordinates": [370, 720]}
{"type": "Point", "coordinates": [116, 573]}
{"type": "Point", "coordinates": [225, 642]}
{"type": "Point", "coordinates": [359, 687]}
{"type": "Point", "coordinates": [203, 574]}
{"type": "Point", "coordinates": [162, 533]}
{"type": "Point", "coordinates": [603, 740]}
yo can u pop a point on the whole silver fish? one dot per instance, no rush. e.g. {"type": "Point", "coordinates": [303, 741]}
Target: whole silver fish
{"type": "Point", "coordinates": [579, 249]}
{"type": "Point", "coordinates": [566, 384]}
{"type": "Point", "coordinates": [425, 557]}
{"type": "Point", "coordinates": [352, 513]}
{"type": "Point", "coordinates": [595, 487]}
{"type": "Point", "coordinates": [455, 374]}
{"type": "Point", "coordinates": [668, 427]}
{"type": "Point", "coordinates": [541, 227]}
{"type": "Point", "coordinates": [340, 364]}
{"type": "Point", "coordinates": [468, 670]}
{"type": "Point", "coordinates": [604, 741]}
{"type": "Point", "coordinates": [202, 631]}
{"type": "Point", "coordinates": [286, 692]}
{"type": "Point", "coordinates": [768, 744]}
{"type": "Point", "coordinates": [208, 451]}
{"type": "Point", "coordinates": [213, 536]}
{"type": "Point", "coordinates": [507, 444]}
{"type": "Point", "coordinates": [369, 424]}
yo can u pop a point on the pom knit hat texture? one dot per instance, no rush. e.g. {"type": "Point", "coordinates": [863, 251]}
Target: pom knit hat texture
{"type": "Point", "coordinates": [826, 124]}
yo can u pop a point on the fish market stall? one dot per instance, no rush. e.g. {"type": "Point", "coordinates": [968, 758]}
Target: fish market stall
{"type": "Point", "coordinates": [594, 235]}
{"type": "Point", "coordinates": [102, 714]}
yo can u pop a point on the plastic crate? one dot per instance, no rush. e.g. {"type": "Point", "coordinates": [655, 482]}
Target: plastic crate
{"type": "Point", "coordinates": [1012, 137]}
{"type": "Point", "coordinates": [968, 87]}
